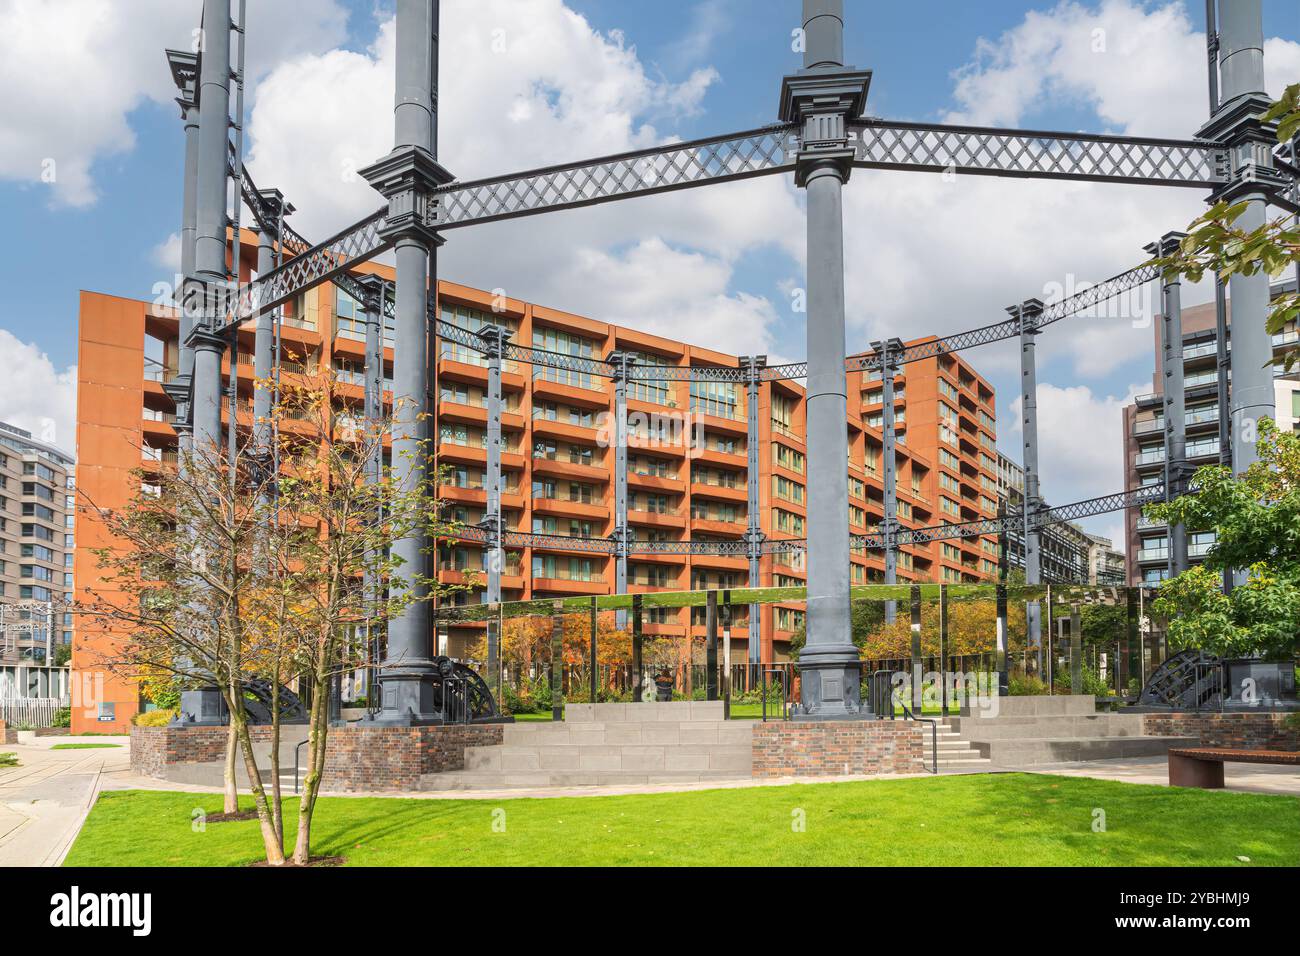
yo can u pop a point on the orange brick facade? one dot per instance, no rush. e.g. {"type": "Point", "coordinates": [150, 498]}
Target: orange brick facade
{"type": "Point", "coordinates": [557, 464]}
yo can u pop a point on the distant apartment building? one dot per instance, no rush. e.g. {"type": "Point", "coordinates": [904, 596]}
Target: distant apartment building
{"type": "Point", "coordinates": [557, 466]}
{"type": "Point", "coordinates": [36, 550]}
{"type": "Point", "coordinates": [1144, 443]}
{"type": "Point", "coordinates": [1068, 554]}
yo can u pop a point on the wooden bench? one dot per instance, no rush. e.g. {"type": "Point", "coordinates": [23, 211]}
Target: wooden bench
{"type": "Point", "coordinates": [1203, 766]}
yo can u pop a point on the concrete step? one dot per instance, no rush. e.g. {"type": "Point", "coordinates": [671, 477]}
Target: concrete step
{"type": "Point", "coordinates": [677, 711]}
{"type": "Point", "coordinates": [1031, 752]}
{"type": "Point", "coordinates": [601, 758]}
{"type": "Point", "coordinates": [1046, 705]}
{"type": "Point", "coordinates": [632, 732]}
{"type": "Point", "coordinates": [1074, 725]}
{"type": "Point", "coordinates": [515, 780]}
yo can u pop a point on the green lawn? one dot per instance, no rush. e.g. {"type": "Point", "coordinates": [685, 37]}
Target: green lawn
{"type": "Point", "coordinates": [83, 746]}
{"type": "Point", "coordinates": [993, 819]}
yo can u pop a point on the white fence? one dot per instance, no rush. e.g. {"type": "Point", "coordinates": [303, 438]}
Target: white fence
{"type": "Point", "coordinates": [36, 711]}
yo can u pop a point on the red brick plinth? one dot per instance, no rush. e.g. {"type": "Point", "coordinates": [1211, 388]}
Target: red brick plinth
{"type": "Point", "coordinates": [835, 748]}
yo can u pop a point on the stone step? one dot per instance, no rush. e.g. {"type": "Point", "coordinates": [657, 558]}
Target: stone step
{"type": "Point", "coordinates": [1091, 725]}
{"type": "Point", "coordinates": [649, 733]}
{"type": "Point", "coordinates": [1035, 751]}
{"type": "Point", "coordinates": [628, 757]}
{"type": "Point", "coordinates": [677, 710]}
{"type": "Point", "coordinates": [520, 779]}
{"type": "Point", "coordinates": [1054, 705]}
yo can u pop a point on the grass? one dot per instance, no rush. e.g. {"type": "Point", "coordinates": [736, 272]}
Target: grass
{"type": "Point", "coordinates": [83, 746]}
{"type": "Point", "coordinates": [988, 819]}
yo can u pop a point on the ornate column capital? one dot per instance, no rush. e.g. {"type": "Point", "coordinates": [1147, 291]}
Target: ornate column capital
{"type": "Point", "coordinates": [409, 178]}
{"type": "Point", "coordinates": [823, 100]}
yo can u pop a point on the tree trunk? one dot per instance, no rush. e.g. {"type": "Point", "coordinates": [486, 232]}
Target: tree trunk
{"type": "Point", "coordinates": [277, 799]}
{"type": "Point", "coordinates": [316, 741]}
{"type": "Point", "coordinates": [271, 843]}
{"type": "Point", "coordinates": [231, 802]}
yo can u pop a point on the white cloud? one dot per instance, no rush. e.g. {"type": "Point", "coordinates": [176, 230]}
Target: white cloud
{"type": "Point", "coordinates": [1080, 440]}
{"type": "Point", "coordinates": [1139, 67]}
{"type": "Point", "coordinates": [930, 255]}
{"type": "Point", "coordinates": [167, 254]}
{"type": "Point", "coordinates": [37, 396]}
{"type": "Point", "coordinates": [524, 85]}
{"type": "Point", "coordinates": [73, 70]}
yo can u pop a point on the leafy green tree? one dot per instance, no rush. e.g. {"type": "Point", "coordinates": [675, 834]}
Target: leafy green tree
{"type": "Point", "coordinates": [1256, 518]}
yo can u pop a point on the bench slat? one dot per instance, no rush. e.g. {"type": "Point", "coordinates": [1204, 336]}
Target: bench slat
{"type": "Point", "coordinates": [1225, 754]}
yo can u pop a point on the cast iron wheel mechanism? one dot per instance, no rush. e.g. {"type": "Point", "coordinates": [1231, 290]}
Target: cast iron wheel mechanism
{"type": "Point", "coordinates": [257, 702]}
{"type": "Point", "coordinates": [457, 682]}
{"type": "Point", "coordinates": [1191, 678]}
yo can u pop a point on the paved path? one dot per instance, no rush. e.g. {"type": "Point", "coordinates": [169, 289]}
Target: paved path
{"type": "Point", "coordinates": [44, 801]}
{"type": "Point", "coordinates": [1241, 777]}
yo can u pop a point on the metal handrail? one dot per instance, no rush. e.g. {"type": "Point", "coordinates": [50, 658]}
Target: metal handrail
{"type": "Point", "coordinates": [934, 734]}
{"type": "Point", "coordinates": [296, 751]}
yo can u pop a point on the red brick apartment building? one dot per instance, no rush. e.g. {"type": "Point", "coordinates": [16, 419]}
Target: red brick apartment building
{"type": "Point", "coordinates": [557, 473]}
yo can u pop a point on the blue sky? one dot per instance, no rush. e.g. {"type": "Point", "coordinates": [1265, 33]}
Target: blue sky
{"type": "Point", "coordinates": [932, 60]}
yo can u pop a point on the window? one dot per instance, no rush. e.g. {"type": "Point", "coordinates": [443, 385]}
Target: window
{"type": "Point", "coordinates": [787, 458]}
{"type": "Point", "coordinates": [643, 390]}
{"type": "Point", "coordinates": [652, 467]}
{"type": "Point", "coordinates": [566, 343]}
{"type": "Point", "coordinates": [857, 488]}
{"type": "Point", "coordinates": [473, 320]}
{"type": "Point", "coordinates": [652, 504]}
{"type": "Point", "coordinates": [948, 506]}
{"type": "Point", "coordinates": [787, 522]}
{"type": "Point", "coordinates": [788, 619]}
{"type": "Point", "coordinates": [782, 414]}
{"type": "Point", "coordinates": [788, 490]}
{"type": "Point", "coordinates": [714, 398]}
{"type": "Point", "coordinates": [565, 569]}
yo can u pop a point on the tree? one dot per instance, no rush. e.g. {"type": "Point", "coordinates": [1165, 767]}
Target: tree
{"type": "Point", "coordinates": [1256, 520]}
{"type": "Point", "coordinates": [1216, 244]}
{"type": "Point", "coordinates": [222, 571]}
{"type": "Point", "coordinates": [173, 586]}
{"type": "Point", "coordinates": [331, 537]}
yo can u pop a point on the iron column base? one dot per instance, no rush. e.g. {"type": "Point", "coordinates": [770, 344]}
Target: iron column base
{"type": "Point", "coordinates": [831, 690]}
{"type": "Point", "coordinates": [407, 697]}
{"type": "Point", "coordinates": [204, 707]}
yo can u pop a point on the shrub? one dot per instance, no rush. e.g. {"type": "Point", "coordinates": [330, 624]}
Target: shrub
{"type": "Point", "coordinates": [8, 760]}
{"type": "Point", "coordinates": [154, 718]}
{"type": "Point", "coordinates": [62, 717]}
{"type": "Point", "coordinates": [1020, 684]}
{"type": "Point", "coordinates": [1092, 683]}
{"type": "Point", "coordinates": [515, 703]}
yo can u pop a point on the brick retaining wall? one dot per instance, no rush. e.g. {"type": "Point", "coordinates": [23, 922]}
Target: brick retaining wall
{"type": "Point", "coordinates": [154, 749]}
{"type": "Point", "coordinates": [835, 748]}
{"type": "Point", "coordinates": [9, 735]}
{"type": "Point", "coordinates": [394, 758]}
{"type": "Point", "coordinates": [1242, 731]}
{"type": "Point", "coordinates": [356, 759]}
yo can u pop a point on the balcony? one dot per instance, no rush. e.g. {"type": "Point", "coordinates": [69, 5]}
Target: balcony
{"type": "Point", "coordinates": [1153, 554]}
